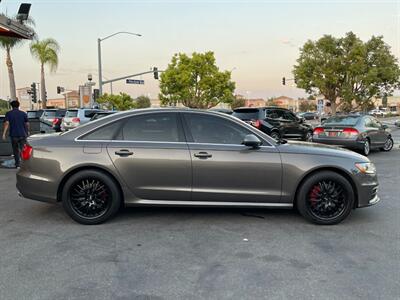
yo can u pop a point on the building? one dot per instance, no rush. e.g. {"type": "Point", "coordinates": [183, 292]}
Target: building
{"type": "Point", "coordinates": [254, 102]}
{"type": "Point", "coordinates": [56, 103]}
{"type": "Point", "coordinates": [287, 102]}
{"type": "Point", "coordinates": [24, 99]}
{"type": "Point", "coordinates": [72, 99]}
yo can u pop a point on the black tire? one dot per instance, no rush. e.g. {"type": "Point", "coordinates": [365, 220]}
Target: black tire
{"type": "Point", "coordinates": [366, 150]}
{"type": "Point", "coordinates": [321, 206]}
{"type": "Point", "coordinates": [91, 197]}
{"type": "Point", "coordinates": [275, 135]}
{"type": "Point", "coordinates": [388, 145]}
{"type": "Point", "coordinates": [308, 136]}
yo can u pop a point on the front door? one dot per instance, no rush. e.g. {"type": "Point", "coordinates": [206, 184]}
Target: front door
{"type": "Point", "coordinates": [152, 157]}
{"type": "Point", "coordinates": [224, 170]}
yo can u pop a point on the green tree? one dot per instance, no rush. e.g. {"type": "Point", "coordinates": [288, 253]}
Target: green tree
{"type": "Point", "coordinates": [46, 52]}
{"type": "Point", "coordinates": [346, 69]}
{"type": "Point", "coordinates": [8, 44]}
{"type": "Point", "coordinates": [307, 105]}
{"type": "Point", "coordinates": [142, 102]}
{"type": "Point", "coordinates": [195, 82]}
{"type": "Point", "coordinates": [4, 107]}
{"type": "Point", "coordinates": [118, 102]}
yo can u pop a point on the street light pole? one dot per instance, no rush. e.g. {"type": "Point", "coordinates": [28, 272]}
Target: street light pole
{"type": "Point", "coordinates": [99, 40]}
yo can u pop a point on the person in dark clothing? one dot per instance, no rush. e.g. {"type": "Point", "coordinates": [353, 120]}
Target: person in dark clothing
{"type": "Point", "coordinates": [17, 122]}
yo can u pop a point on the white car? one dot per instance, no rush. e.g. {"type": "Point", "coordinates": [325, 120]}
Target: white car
{"type": "Point", "coordinates": [78, 116]}
{"type": "Point", "coordinates": [378, 112]}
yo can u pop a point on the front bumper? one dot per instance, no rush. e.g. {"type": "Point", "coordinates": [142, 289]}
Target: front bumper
{"type": "Point", "coordinates": [368, 187]}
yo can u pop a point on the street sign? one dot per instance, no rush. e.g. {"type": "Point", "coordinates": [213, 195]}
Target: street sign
{"type": "Point", "coordinates": [320, 106]}
{"type": "Point", "coordinates": [135, 81]}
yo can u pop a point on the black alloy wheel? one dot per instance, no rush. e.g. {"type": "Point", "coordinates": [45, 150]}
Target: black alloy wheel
{"type": "Point", "coordinates": [275, 135]}
{"type": "Point", "coordinates": [325, 198]}
{"type": "Point", "coordinates": [91, 197]}
{"type": "Point", "coordinates": [308, 136]}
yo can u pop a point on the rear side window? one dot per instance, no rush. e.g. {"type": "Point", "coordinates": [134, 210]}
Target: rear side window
{"type": "Point", "coordinates": [247, 114]}
{"type": "Point", "coordinates": [90, 113]}
{"type": "Point", "coordinates": [60, 113]}
{"type": "Point", "coordinates": [71, 113]}
{"type": "Point", "coordinates": [105, 133]}
{"type": "Point", "coordinates": [274, 114]}
{"type": "Point", "coordinates": [159, 127]}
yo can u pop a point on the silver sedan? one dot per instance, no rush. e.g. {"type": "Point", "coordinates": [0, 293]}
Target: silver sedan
{"type": "Point", "coordinates": [183, 157]}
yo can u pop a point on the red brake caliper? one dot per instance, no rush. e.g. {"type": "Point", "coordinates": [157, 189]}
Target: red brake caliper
{"type": "Point", "coordinates": [314, 195]}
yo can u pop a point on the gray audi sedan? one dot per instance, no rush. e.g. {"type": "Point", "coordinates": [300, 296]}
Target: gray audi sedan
{"type": "Point", "coordinates": [183, 157]}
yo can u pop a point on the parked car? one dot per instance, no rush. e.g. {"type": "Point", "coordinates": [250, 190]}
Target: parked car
{"type": "Point", "coordinates": [377, 113]}
{"type": "Point", "coordinates": [102, 114]}
{"type": "Point", "coordinates": [308, 115]}
{"type": "Point", "coordinates": [49, 115]}
{"type": "Point", "coordinates": [397, 123]}
{"type": "Point", "coordinates": [276, 122]}
{"type": "Point", "coordinates": [190, 158]}
{"type": "Point", "coordinates": [357, 132]}
{"type": "Point", "coordinates": [76, 117]}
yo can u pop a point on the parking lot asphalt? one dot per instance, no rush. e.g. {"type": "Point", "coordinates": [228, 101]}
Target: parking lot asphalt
{"type": "Point", "coordinates": [202, 253]}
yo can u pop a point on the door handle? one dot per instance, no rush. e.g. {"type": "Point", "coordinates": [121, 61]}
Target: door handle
{"type": "Point", "coordinates": [123, 152]}
{"type": "Point", "coordinates": [202, 155]}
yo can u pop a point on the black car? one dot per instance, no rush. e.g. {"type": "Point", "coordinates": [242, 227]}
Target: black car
{"type": "Point", "coordinates": [357, 132]}
{"type": "Point", "coordinates": [308, 115]}
{"type": "Point", "coordinates": [276, 122]}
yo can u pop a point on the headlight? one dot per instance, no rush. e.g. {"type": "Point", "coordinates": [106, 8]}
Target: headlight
{"type": "Point", "coordinates": [366, 168]}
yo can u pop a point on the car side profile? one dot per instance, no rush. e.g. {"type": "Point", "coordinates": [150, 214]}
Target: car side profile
{"type": "Point", "coordinates": [183, 157]}
{"type": "Point", "coordinates": [276, 122]}
{"type": "Point", "coordinates": [358, 132]}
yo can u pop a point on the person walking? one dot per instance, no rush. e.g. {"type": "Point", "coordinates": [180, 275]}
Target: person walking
{"type": "Point", "coordinates": [17, 122]}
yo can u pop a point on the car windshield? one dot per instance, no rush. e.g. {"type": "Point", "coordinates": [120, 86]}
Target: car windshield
{"type": "Point", "coordinates": [342, 120]}
{"type": "Point", "coordinates": [246, 114]}
{"type": "Point", "coordinates": [71, 113]}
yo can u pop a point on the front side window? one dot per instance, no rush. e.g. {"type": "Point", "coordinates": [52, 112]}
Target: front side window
{"type": "Point", "coordinates": [160, 127]}
{"type": "Point", "coordinates": [288, 116]}
{"type": "Point", "coordinates": [215, 130]}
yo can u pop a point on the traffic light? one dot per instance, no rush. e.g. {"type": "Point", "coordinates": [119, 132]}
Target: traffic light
{"type": "Point", "coordinates": [155, 71]}
{"type": "Point", "coordinates": [60, 90]}
{"type": "Point", "coordinates": [283, 80]}
{"type": "Point", "coordinates": [33, 92]}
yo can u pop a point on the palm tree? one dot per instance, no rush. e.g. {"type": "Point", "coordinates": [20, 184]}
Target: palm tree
{"type": "Point", "coordinates": [9, 43]}
{"type": "Point", "coordinates": [46, 52]}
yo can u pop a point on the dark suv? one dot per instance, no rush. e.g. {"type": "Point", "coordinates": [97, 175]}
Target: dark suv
{"type": "Point", "coordinates": [276, 122]}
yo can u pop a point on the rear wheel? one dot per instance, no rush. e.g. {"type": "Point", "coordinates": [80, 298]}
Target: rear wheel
{"type": "Point", "coordinates": [308, 136]}
{"type": "Point", "coordinates": [325, 198]}
{"type": "Point", "coordinates": [91, 197]}
{"type": "Point", "coordinates": [366, 148]}
{"type": "Point", "coordinates": [388, 145]}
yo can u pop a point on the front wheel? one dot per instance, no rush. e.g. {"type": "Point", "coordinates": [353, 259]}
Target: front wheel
{"type": "Point", "coordinates": [325, 198]}
{"type": "Point", "coordinates": [366, 148]}
{"type": "Point", "coordinates": [91, 197]}
{"type": "Point", "coordinates": [275, 135]}
{"type": "Point", "coordinates": [388, 145]}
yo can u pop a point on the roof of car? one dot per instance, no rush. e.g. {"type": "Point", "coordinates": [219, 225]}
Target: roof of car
{"type": "Point", "coordinates": [260, 107]}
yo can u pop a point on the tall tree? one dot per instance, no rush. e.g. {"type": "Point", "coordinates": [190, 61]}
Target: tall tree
{"type": "Point", "coordinates": [195, 82]}
{"type": "Point", "coordinates": [46, 52]}
{"type": "Point", "coordinates": [347, 70]}
{"type": "Point", "coordinates": [8, 44]}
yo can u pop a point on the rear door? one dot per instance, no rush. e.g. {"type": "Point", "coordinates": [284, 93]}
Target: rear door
{"type": "Point", "coordinates": [372, 129]}
{"type": "Point", "coordinates": [151, 155]}
{"type": "Point", "coordinates": [224, 170]}
{"type": "Point", "coordinates": [291, 125]}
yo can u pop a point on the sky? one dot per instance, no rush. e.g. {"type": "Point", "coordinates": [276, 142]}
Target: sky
{"type": "Point", "coordinates": [258, 40]}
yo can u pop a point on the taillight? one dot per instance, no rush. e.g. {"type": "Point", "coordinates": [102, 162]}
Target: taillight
{"type": "Point", "coordinates": [257, 124]}
{"type": "Point", "coordinates": [55, 121]}
{"type": "Point", "coordinates": [318, 130]}
{"type": "Point", "coordinates": [26, 152]}
{"type": "Point", "coordinates": [76, 120]}
{"type": "Point", "coordinates": [350, 131]}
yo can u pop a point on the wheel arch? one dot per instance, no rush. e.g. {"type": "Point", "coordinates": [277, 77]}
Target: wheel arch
{"type": "Point", "coordinates": [86, 168]}
{"type": "Point", "coordinates": [332, 169]}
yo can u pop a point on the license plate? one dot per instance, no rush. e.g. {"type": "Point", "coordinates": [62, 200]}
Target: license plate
{"type": "Point", "coordinates": [332, 133]}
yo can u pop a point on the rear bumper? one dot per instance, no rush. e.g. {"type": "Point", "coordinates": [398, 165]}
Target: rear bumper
{"type": "Point", "coordinates": [35, 187]}
{"type": "Point", "coordinates": [347, 143]}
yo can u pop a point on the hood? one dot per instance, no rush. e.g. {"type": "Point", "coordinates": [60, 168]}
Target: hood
{"type": "Point", "coordinates": [320, 149]}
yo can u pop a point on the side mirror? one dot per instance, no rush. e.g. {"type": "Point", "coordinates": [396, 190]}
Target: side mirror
{"type": "Point", "coordinates": [251, 140]}
{"type": "Point", "coordinates": [384, 127]}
